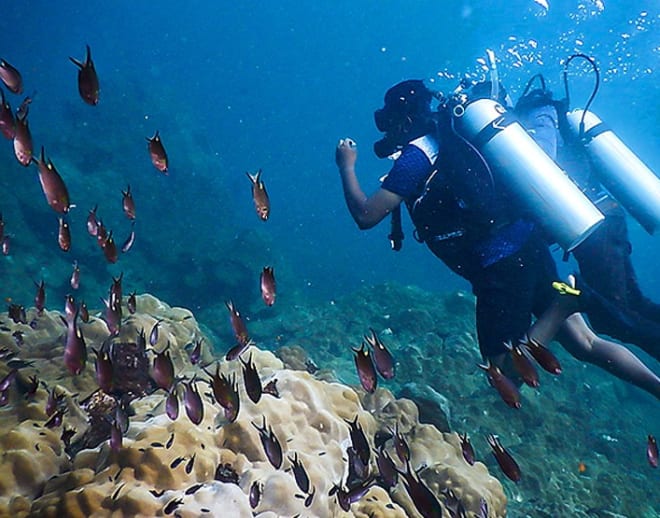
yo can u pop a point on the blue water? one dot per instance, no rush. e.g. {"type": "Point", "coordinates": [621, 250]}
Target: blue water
{"type": "Point", "coordinates": [273, 85]}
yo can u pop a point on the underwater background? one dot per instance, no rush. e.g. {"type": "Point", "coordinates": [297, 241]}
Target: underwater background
{"type": "Point", "coordinates": [236, 87]}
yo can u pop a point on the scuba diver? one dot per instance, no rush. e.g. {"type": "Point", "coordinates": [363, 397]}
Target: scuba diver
{"type": "Point", "coordinates": [610, 292]}
{"type": "Point", "coordinates": [478, 227]}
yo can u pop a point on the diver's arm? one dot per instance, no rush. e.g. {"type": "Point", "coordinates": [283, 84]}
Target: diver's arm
{"type": "Point", "coordinates": [366, 211]}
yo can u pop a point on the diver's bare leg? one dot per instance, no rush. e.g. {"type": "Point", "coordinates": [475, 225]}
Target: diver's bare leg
{"type": "Point", "coordinates": [582, 343]}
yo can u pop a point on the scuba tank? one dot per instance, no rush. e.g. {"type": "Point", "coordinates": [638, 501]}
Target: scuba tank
{"type": "Point", "coordinates": [528, 172]}
{"type": "Point", "coordinates": [524, 168]}
{"type": "Point", "coordinates": [622, 173]}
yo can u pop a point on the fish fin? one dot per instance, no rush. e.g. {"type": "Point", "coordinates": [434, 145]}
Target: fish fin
{"type": "Point", "coordinates": [77, 63]}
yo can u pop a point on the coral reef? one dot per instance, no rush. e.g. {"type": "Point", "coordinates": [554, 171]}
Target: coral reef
{"type": "Point", "coordinates": [167, 467]}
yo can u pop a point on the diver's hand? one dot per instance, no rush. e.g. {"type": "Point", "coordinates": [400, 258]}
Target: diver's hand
{"type": "Point", "coordinates": [346, 153]}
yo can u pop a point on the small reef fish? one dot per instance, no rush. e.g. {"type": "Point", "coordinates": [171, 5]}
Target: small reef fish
{"type": "Point", "coordinates": [542, 355]}
{"type": "Point", "coordinates": [69, 307]}
{"type": "Point", "coordinates": [347, 497]}
{"type": "Point", "coordinates": [153, 335]}
{"type": "Point", "coordinates": [88, 81]}
{"type": "Point", "coordinates": [225, 392]}
{"type": "Point", "coordinates": [504, 459]}
{"type": "Point", "coordinates": [17, 313]}
{"type": "Point", "coordinates": [157, 153]}
{"type": "Point", "coordinates": [270, 443]}
{"type": "Point", "coordinates": [251, 380]}
{"type": "Point", "coordinates": [6, 382]}
{"type": "Point", "coordinates": [196, 353]}
{"type": "Point", "coordinates": [92, 223]}
{"type": "Point", "coordinates": [163, 369]}
{"type": "Point", "coordinates": [365, 368]}
{"type": "Point", "coordinates": [523, 364]}
{"type": "Point", "coordinates": [400, 445]}
{"type": "Point", "coordinates": [54, 401]}
{"type": "Point", "coordinates": [128, 204]}
{"type": "Point", "coordinates": [190, 464]}
{"type": "Point", "coordinates": [130, 240]}
{"type": "Point", "coordinates": [425, 501]}
{"type": "Point", "coordinates": [75, 276]}
{"type": "Point", "coordinates": [131, 303]}
{"type": "Point", "coordinates": [381, 356]}
{"type": "Point", "coordinates": [11, 77]}
{"type": "Point", "coordinates": [299, 473]}
{"type": "Point", "coordinates": [103, 369]}
{"type": "Point", "coordinates": [504, 386]}
{"type": "Point", "coordinates": [64, 235]}
{"type": "Point", "coordinates": [116, 291]}
{"type": "Point", "coordinates": [652, 451]}
{"type": "Point", "coordinates": [256, 490]}
{"type": "Point", "coordinates": [112, 316]}
{"type": "Point", "coordinates": [110, 249]}
{"type": "Point", "coordinates": [467, 449]}
{"type": "Point", "coordinates": [238, 325]}
{"type": "Point", "coordinates": [53, 186]}
{"type": "Point", "coordinates": [116, 437]}
{"type": "Point", "coordinates": [75, 349]}
{"type": "Point", "coordinates": [387, 469]}
{"type": "Point", "coordinates": [40, 297]}
{"type": "Point", "coordinates": [267, 283]}
{"type": "Point", "coordinates": [7, 123]}
{"type": "Point", "coordinates": [359, 440]}
{"type": "Point", "coordinates": [192, 402]}
{"type": "Point", "coordinates": [23, 146]}
{"type": "Point", "coordinates": [6, 242]}
{"type": "Point", "coordinates": [172, 404]}
{"type": "Point", "coordinates": [259, 195]}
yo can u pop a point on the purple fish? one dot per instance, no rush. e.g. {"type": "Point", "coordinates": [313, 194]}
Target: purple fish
{"type": "Point", "coordinates": [365, 368]}
{"type": "Point", "coordinates": [193, 403]}
{"type": "Point", "coordinates": [54, 402]}
{"type": "Point", "coordinates": [131, 303]}
{"type": "Point", "coordinates": [128, 204]}
{"type": "Point", "coordinates": [130, 240]}
{"type": "Point", "coordinates": [75, 276]}
{"type": "Point", "coordinates": [467, 449]}
{"type": "Point", "coordinates": [226, 393]}
{"type": "Point", "coordinates": [504, 386]}
{"type": "Point", "coordinates": [259, 195]}
{"type": "Point", "coordinates": [163, 369]}
{"type": "Point", "coordinates": [88, 81]}
{"type": "Point", "coordinates": [382, 357]}
{"type": "Point", "coordinates": [157, 153]}
{"type": "Point", "coordinates": [256, 490]}
{"type": "Point", "coordinates": [116, 437]}
{"type": "Point", "coordinates": [52, 185]}
{"type": "Point", "coordinates": [92, 223]}
{"type": "Point", "coordinates": [23, 146]}
{"type": "Point", "coordinates": [11, 77]}
{"type": "Point", "coordinates": [270, 443]}
{"type": "Point", "coordinates": [523, 364]}
{"type": "Point", "coordinates": [387, 469]}
{"type": "Point", "coordinates": [542, 355]}
{"type": "Point", "coordinates": [299, 473]}
{"type": "Point", "coordinates": [7, 123]}
{"type": "Point", "coordinates": [64, 235]}
{"type": "Point", "coordinates": [267, 283]}
{"type": "Point", "coordinates": [652, 451]}
{"type": "Point", "coordinates": [103, 370]}
{"type": "Point", "coordinates": [83, 312]}
{"type": "Point", "coordinates": [172, 404]}
{"type": "Point", "coordinates": [40, 297]}
{"type": "Point", "coordinates": [196, 353]}
{"type": "Point", "coordinates": [359, 440]}
{"type": "Point", "coordinates": [237, 325]}
{"type": "Point", "coordinates": [425, 501]}
{"type": "Point", "coordinates": [507, 463]}
{"type": "Point", "coordinates": [75, 349]}
{"type": "Point", "coordinates": [251, 380]}
{"type": "Point", "coordinates": [6, 382]}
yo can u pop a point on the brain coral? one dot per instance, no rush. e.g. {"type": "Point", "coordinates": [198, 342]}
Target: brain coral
{"type": "Point", "coordinates": [174, 467]}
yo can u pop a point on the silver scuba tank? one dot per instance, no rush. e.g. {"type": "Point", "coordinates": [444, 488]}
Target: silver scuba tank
{"type": "Point", "coordinates": [528, 172]}
{"type": "Point", "coordinates": [622, 173]}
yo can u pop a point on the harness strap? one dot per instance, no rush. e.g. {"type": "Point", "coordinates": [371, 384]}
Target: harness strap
{"type": "Point", "coordinates": [492, 129]}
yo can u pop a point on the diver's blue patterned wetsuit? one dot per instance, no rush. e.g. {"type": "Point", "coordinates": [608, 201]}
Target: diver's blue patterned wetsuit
{"type": "Point", "coordinates": [510, 269]}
